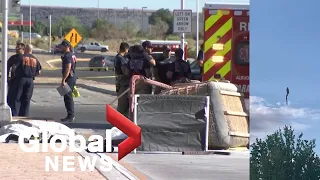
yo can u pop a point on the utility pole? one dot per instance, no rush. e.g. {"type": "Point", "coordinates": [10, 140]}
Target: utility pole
{"type": "Point", "coordinates": [21, 28]}
{"type": "Point", "coordinates": [142, 18]}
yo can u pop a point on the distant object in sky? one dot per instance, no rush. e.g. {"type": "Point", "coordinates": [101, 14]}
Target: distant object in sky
{"type": "Point", "coordinates": [287, 95]}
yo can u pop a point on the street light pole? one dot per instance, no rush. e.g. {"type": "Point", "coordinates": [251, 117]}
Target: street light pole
{"type": "Point", "coordinates": [98, 9]}
{"type": "Point", "coordinates": [49, 33]}
{"type": "Point", "coordinates": [30, 21]}
{"type": "Point", "coordinates": [182, 34]}
{"type": "Point", "coordinates": [142, 17]}
{"type": "Point", "coordinates": [22, 28]}
{"type": "Point", "coordinates": [197, 31]}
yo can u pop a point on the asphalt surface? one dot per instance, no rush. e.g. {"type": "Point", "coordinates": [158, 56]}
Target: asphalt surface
{"type": "Point", "coordinates": [90, 108]}
{"type": "Point", "coordinates": [83, 73]}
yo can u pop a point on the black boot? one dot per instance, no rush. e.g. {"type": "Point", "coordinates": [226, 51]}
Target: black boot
{"type": "Point", "coordinates": [68, 119]}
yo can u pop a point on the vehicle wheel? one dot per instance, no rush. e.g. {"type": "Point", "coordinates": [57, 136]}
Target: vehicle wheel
{"type": "Point", "coordinates": [106, 69]}
{"type": "Point", "coordinates": [82, 49]}
{"type": "Point", "coordinates": [91, 69]}
{"type": "Point", "coordinates": [99, 69]}
{"type": "Point", "coordinates": [103, 50]}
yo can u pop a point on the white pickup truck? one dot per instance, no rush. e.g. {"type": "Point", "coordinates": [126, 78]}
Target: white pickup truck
{"type": "Point", "coordinates": [93, 46]}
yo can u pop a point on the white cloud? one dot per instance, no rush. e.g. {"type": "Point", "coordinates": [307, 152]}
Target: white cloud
{"type": "Point", "coordinates": [265, 118]}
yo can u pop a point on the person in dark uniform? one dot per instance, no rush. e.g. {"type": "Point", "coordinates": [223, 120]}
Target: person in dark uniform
{"type": "Point", "coordinates": [147, 46]}
{"type": "Point", "coordinates": [139, 64]}
{"type": "Point", "coordinates": [200, 58]}
{"type": "Point", "coordinates": [13, 62]}
{"type": "Point", "coordinates": [122, 80]}
{"type": "Point", "coordinates": [162, 67]}
{"type": "Point", "coordinates": [23, 85]}
{"type": "Point", "coordinates": [179, 71]}
{"type": "Point", "coordinates": [68, 77]}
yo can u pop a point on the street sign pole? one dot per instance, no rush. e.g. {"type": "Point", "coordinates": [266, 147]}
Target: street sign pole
{"type": "Point", "coordinates": [5, 110]}
{"type": "Point", "coordinates": [182, 34]}
{"type": "Point", "coordinates": [50, 33]}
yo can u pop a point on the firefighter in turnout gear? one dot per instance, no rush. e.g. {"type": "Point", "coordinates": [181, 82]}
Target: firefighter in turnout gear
{"type": "Point", "coordinates": [139, 64]}
{"type": "Point", "coordinates": [179, 71]}
{"type": "Point", "coordinates": [122, 79]}
{"type": "Point", "coordinates": [22, 87]}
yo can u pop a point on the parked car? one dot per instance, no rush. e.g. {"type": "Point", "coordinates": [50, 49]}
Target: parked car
{"type": "Point", "coordinates": [93, 46]}
{"type": "Point", "coordinates": [109, 61]}
{"type": "Point", "coordinates": [57, 49]}
{"type": "Point", "coordinates": [98, 62]}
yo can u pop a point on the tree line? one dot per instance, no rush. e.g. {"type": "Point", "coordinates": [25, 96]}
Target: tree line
{"type": "Point", "coordinates": [284, 155]}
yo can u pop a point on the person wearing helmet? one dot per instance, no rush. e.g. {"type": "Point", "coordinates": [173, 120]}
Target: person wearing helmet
{"type": "Point", "coordinates": [179, 71]}
{"type": "Point", "coordinates": [122, 80]}
{"type": "Point", "coordinates": [139, 64]}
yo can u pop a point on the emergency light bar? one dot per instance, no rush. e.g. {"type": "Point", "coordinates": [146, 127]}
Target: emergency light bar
{"type": "Point", "coordinates": [217, 59]}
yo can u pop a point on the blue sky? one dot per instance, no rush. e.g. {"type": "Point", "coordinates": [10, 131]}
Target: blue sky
{"type": "Point", "coordinates": [171, 4]}
{"type": "Point", "coordinates": [285, 53]}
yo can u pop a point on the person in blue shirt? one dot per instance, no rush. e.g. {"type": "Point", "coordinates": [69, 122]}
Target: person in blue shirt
{"type": "Point", "coordinates": [68, 77]}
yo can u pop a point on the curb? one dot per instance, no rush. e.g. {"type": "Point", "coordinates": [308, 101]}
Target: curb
{"type": "Point", "coordinates": [128, 168]}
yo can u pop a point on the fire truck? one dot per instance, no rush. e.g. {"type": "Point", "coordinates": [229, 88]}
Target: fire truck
{"type": "Point", "coordinates": [157, 46]}
{"type": "Point", "coordinates": [226, 44]}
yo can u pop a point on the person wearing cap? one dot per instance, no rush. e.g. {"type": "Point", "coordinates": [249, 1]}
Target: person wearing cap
{"type": "Point", "coordinates": [147, 46]}
{"type": "Point", "coordinates": [122, 80]}
{"type": "Point", "coordinates": [68, 77]}
{"type": "Point", "coordinates": [23, 85]}
{"type": "Point", "coordinates": [179, 71]}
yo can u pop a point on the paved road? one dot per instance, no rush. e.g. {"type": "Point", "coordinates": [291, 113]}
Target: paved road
{"type": "Point", "coordinates": [100, 76]}
{"type": "Point", "coordinates": [90, 107]}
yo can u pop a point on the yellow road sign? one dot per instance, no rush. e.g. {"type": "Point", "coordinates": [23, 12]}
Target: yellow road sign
{"type": "Point", "coordinates": [73, 37]}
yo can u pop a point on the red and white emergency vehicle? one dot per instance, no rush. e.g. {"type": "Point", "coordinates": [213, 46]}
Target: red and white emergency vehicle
{"type": "Point", "coordinates": [226, 44]}
{"type": "Point", "coordinates": [158, 44]}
